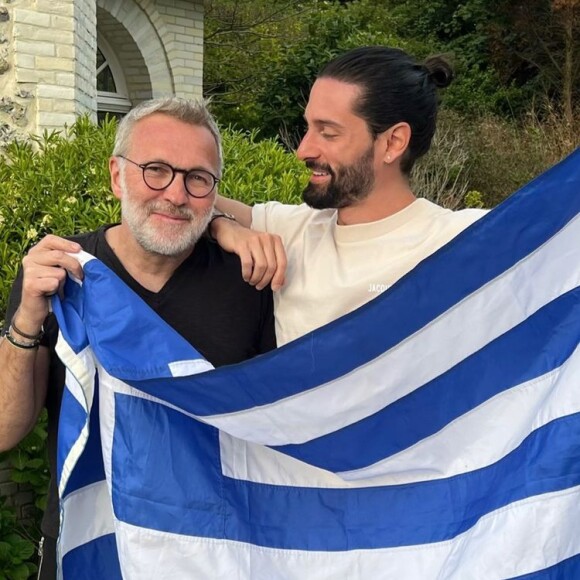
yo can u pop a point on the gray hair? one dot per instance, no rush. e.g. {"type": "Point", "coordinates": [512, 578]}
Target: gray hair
{"type": "Point", "coordinates": [188, 111]}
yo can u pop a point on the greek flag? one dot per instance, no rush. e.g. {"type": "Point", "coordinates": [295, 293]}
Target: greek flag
{"type": "Point", "coordinates": [432, 434]}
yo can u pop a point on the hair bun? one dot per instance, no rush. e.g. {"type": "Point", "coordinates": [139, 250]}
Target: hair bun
{"type": "Point", "coordinates": [439, 70]}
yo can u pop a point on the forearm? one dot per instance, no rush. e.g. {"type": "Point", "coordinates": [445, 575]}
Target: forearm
{"type": "Point", "coordinates": [23, 378]}
{"type": "Point", "coordinates": [241, 211]}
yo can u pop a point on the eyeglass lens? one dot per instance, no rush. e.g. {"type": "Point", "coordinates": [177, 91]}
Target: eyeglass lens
{"type": "Point", "coordinates": [160, 175]}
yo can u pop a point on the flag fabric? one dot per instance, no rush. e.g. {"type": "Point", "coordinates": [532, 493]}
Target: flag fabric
{"type": "Point", "coordinates": [434, 433]}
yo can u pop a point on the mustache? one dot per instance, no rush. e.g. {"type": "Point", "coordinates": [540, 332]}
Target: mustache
{"type": "Point", "coordinates": [171, 210]}
{"type": "Point", "coordinates": [313, 166]}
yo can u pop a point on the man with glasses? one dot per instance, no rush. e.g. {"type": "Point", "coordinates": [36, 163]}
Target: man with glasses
{"type": "Point", "coordinates": [165, 167]}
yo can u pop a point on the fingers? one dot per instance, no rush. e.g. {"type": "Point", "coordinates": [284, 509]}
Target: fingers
{"type": "Point", "coordinates": [262, 255]}
{"type": "Point", "coordinates": [279, 277]}
{"type": "Point", "coordinates": [52, 252]}
{"type": "Point", "coordinates": [44, 272]}
{"type": "Point", "coordinates": [266, 259]}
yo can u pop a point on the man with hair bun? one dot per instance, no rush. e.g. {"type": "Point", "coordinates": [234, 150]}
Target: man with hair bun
{"type": "Point", "coordinates": [371, 114]}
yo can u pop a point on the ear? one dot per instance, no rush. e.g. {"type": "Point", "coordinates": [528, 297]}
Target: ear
{"type": "Point", "coordinates": [115, 171]}
{"type": "Point", "coordinates": [395, 141]}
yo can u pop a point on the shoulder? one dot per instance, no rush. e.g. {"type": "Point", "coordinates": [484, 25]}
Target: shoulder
{"type": "Point", "coordinates": [282, 219]}
{"type": "Point", "coordinates": [452, 218]}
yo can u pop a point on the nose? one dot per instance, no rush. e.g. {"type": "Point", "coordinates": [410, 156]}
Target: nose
{"type": "Point", "coordinates": [175, 192]}
{"type": "Point", "coordinates": [307, 148]}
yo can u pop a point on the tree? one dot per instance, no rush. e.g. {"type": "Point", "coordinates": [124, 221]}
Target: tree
{"type": "Point", "coordinates": [540, 46]}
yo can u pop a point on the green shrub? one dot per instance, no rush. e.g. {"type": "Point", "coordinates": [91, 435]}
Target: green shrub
{"type": "Point", "coordinates": [505, 155]}
{"type": "Point", "coordinates": [442, 176]}
{"type": "Point", "coordinates": [258, 171]}
{"type": "Point", "coordinates": [16, 551]}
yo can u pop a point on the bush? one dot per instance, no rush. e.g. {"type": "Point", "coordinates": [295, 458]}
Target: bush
{"type": "Point", "coordinates": [505, 155]}
{"type": "Point", "coordinates": [442, 176]}
{"type": "Point", "coordinates": [16, 551]}
{"type": "Point", "coordinates": [258, 171]}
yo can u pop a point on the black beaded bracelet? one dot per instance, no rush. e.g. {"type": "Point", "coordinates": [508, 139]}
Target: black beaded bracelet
{"type": "Point", "coordinates": [24, 345]}
{"type": "Point", "coordinates": [217, 215]}
{"type": "Point", "coordinates": [24, 335]}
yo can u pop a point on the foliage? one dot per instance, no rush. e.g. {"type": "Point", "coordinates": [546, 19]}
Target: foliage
{"type": "Point", "coordinates": [56, 183]}
{"type": "Point", "coordinates": [287, 58]}
{"type": "Point", "coordinates": [261, 57]}
{"type": "Point", "coordinates": [15, 550]}
{"type": "Point", "coordinates": [505, 155]}
{"type": "Point", "coordinates": [260, 170]}
{"type": "Point", "coordinates": [29, 463]}
{"type": "Point", "coordinates": [442, 175]}
{"type": "Point", "coordinates": [240, 41]}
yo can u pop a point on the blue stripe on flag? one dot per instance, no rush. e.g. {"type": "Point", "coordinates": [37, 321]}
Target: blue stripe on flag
{"type": "Point", "coordinates": [97, 559]}
{"type": "Point", "coordinates": [89, 467]}
{"type": "Point", "coordinates": [71, 422]}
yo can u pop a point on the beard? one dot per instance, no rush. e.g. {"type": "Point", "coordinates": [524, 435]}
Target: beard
{"type": "Point", "coordinates": [348, 184]}
{"type": "Point", "coordinates": [163, 239]}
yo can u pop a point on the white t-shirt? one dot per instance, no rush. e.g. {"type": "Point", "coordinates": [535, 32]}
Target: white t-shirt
{"type": "Point", "coordinates": [332, 269]}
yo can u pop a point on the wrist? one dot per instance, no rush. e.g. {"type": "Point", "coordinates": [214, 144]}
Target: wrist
{"type": "Point", "coordinates": [215, 219]}
{"type": "Point", "coordinates": [28, 327]}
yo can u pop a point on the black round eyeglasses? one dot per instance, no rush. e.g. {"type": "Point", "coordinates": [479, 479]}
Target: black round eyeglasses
{"type": "Point", "coordinates": [158, 175]}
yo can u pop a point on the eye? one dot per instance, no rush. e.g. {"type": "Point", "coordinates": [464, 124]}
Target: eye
{"type": "Point", "coordinates": [157, 170]}
{"type": "Point", "coordinates": [199, 178]}
{"type": "Point", "coordinates": [327, 135]}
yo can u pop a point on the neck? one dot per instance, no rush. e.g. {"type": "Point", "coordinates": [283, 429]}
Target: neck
{"type": "Point", "coordinates": [379, 204]}
{"type": "Point", "coordinates": [152, 271]}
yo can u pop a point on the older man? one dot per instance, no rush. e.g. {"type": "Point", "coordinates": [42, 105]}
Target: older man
{"type": "Point", "coordinates": [164, 169]}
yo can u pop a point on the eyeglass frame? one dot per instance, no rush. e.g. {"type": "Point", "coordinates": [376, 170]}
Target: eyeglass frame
{"type": "Point", "coordinates": [174, 170]}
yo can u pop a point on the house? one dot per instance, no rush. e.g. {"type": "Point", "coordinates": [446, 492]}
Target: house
{"type": "Point", "coordinates": [63, 58]}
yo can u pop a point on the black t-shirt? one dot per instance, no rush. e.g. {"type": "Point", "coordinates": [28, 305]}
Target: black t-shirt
{"type": "Point", "coordinates": [206, 301]}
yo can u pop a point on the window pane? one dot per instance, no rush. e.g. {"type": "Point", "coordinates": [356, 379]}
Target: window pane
{"type": "Point", "coordinates": [105, 81]}
{"type": "Point", "coordinates": [100, 58]}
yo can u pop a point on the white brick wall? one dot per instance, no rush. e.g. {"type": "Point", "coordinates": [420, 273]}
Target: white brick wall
{"type": "Point", "coordinates": [52, 44]}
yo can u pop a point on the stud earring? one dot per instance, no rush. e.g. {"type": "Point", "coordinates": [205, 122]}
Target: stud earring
{"type": "Point", "coordinates": [388, 158]}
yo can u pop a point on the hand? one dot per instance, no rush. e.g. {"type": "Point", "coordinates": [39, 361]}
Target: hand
{"type": "Point", "coordinates": [262, 255]}
{"type": "Point", "coordinates": [44, 272]}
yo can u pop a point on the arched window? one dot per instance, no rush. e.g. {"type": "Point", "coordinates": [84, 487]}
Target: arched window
{"type": "Point", "coordinates": [112, 94]}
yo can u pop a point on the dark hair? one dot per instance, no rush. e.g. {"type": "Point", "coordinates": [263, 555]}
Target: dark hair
{"type": "Point", "coordinates": [395, 88]}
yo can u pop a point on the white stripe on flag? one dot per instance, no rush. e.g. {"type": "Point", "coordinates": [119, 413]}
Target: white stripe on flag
{"type": "Point", "coordinates": [92, 516]}
{"type": "Point", "coordinates": [79, 380]}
